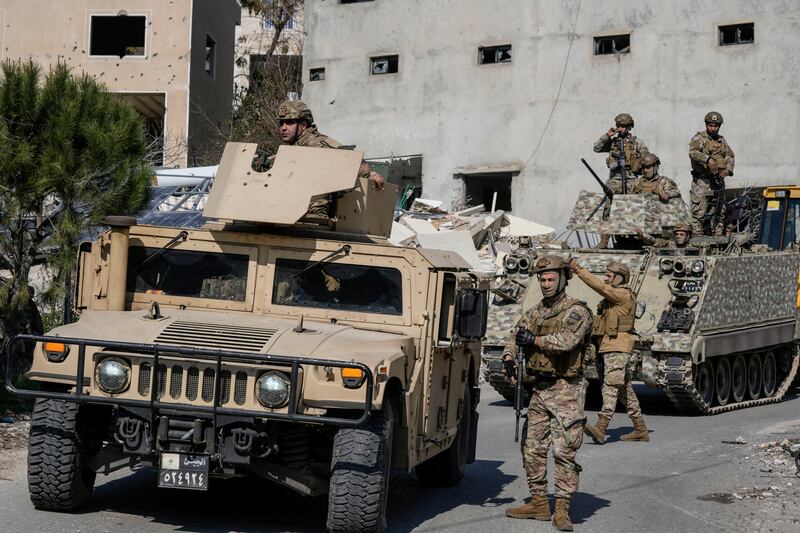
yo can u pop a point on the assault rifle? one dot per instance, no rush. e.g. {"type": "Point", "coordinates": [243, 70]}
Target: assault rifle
{"type": "Point", "coordinates": [711, 219]}
{"type": "Point", "coordinates": [621, 163]}
{"type": "Point", "coordinates": [609, 194]}
{"type": "Point", "coordinates": [519, 392]}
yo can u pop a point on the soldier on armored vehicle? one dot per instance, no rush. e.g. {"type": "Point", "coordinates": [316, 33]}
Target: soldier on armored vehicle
{"type": "Point", "coordinates": [317, 359]}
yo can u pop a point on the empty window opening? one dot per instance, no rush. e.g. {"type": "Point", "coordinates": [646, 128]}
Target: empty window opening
{"type": "Point", "coordinates": [612, 44]}
{"type": "Point", "coordinates": [481, 188]}
{"type": "Point", "coordinates": [120, 36]}
{"type": "Point", "coordinates": [383, 64]}
{"type": "Point", "coordinates": [488, 55]}
{"type": "Point", "coordinates": [737, 34]}
{"type": "Point", "coordinates": [317, 74]}
{"type": "Point", "coordinates": [211, 56]}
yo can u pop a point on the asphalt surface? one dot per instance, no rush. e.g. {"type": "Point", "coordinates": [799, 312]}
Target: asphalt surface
{"type": "Point", "coordinates": [685, 479]}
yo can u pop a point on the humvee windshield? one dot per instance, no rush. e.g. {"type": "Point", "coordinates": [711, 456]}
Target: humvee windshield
{"type": "Point", "coordinates": [364, 289]}
{"type": "Point", "coordinates": [218, 276]}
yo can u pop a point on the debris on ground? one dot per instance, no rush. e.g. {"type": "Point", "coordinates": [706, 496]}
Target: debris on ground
{"type": "Point", "coordinates": [14, 434]}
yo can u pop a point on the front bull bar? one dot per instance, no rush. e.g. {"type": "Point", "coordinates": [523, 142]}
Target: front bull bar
{"type": "Point", "coordinates": [154, 404]}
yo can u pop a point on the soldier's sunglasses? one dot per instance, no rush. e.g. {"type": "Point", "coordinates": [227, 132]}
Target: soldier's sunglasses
{"type": "Point", "coordinates": [648, 166]}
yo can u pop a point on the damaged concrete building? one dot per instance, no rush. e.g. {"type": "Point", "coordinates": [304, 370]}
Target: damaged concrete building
{"type": "Point", "coordinates": [173, 60]}
{"type": "Point", "coordinates": [507, 95]}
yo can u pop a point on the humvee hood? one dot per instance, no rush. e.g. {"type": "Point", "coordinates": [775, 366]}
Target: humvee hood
{"type": "Point", "coordinates": [240, 333]}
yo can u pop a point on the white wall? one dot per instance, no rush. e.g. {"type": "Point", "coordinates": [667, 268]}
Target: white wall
{"type": "Point", "coordinates": [455, 112]}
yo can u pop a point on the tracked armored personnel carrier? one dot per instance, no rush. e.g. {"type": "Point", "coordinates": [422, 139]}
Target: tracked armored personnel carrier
{"type": "Point", "coordinates": [315, 355]}
{"type": "Point", "coordinates": [716, 322]}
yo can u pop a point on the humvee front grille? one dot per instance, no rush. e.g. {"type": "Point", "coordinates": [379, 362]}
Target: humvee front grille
{"type": "Point", "coordinates": [215, 336]}
{"type": "Point", "coordinates": [194, 383]}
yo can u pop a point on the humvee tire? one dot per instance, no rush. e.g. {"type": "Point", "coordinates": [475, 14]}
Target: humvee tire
{"type": "Point", "coordinates": [447, 468]}
{"type": "Point", "coordinates": [360, 470]}
{"type": "Point", "coordinates": [58, 479]}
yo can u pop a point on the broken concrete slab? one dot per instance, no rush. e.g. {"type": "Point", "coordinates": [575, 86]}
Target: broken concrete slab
{"type": "Point", "coordinates": [418, 225]}
{"type": "Point", "coordinates": [401, 235]}
{"type": "Point", "coordinates": [518, 226]}
{"type": "Point", "coordinates": [459, 242]}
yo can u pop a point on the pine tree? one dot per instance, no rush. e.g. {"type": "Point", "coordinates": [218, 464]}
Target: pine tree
{"type": "Point", "coordinates": [70, 154]}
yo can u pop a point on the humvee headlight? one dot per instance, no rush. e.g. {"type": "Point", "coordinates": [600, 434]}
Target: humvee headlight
{"type": "Point", "coordinates": [272, 389]}
{"type": "Point", "coordinates": [352, 377]}
{"type": "Point", "coordinates": [56, 351]}
{"type": "Point", "coordinates": [113, 375]}
{"type": "Point", "coordinates": [698, 266]}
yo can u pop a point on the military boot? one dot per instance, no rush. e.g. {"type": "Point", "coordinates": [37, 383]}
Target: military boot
{"type": "Point", "coordinates": [537, 509]}
{"type": "Point", "coordinates": [598, 432]}
{"type": "Point", "coordinates": [603, 243]}
{"type": "Point", "coordinates": [561, 519]}
{"type": "Point", "coordinates": [639, 432]}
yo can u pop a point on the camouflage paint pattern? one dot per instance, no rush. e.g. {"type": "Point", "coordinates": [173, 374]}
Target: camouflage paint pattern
{"type": "Point", "coordinates": [667, 342]}
{"type": "Point", "coordinates": [748, 289]}
{"type": "Point", "coordinates": [617, 385]}
{"type": "Point", "coordinates": [627, 213]}
{"type": "Point", "coordinates": [555, 418]}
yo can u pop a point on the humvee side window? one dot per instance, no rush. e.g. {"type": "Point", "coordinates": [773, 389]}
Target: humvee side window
{"type": "Point", "coordinates": [360, 288]}
{"type": "Point", "coordinates": [217, 276]}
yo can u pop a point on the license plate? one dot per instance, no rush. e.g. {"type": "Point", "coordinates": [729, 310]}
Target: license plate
{"type": "Point", "coordinates": [183, 471]}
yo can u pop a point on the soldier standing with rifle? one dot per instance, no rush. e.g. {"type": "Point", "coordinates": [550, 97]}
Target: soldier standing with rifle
{"type": "Point", "coordinates": [552, 337]}
{"type": "Point", "coordinates": [712, 162]}
{"type": "Point", "coordinates": [625, 153]}
{"type": "Point", "coordinates": [613, 325]}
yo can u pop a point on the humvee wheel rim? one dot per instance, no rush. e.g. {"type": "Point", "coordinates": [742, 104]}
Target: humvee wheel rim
{"type": "Point", "coordinates": [738, 378]}
{"type": "Point", "coordinates": [704, 381]}
{"type": "Point", "coordinates": [722, 377]}
{"type": "Point", "coordinates": [754, 376]}
{"type": "Point", "coordinates": [769, 374]}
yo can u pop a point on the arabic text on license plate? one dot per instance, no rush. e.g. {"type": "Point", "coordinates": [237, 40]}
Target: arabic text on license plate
{"type": "Point", "coordinates": [183, 471]}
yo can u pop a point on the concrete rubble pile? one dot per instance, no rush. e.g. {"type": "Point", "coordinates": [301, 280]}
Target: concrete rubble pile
{"type": "Point", "coordinates": [482, 238]}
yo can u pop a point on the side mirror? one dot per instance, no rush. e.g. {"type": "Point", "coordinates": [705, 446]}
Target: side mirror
{"type": "Point", "coordinates": [472, 309]}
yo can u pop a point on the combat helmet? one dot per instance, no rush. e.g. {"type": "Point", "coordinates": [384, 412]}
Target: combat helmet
{"type": "Point", "coordinates": [682, 227]}
{"type": "Point", "coordinates": [712, 117]}
{"type": "Point", "coordinates": [552, 262]}
{"type": "Point", "coordinates": [295, 110]}
{"type": "Point", "coordinates": [619, 268]}
{"type": "Point", "coordinates": [650, 159]}
{"type": "Point", "coordinates": [624, 119]}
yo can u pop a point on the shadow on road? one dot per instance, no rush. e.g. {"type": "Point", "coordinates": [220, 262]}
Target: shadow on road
{"type": "Point", "coordinates": [584, 506]}
{"type": "Point", "coordinates": [254, 505]}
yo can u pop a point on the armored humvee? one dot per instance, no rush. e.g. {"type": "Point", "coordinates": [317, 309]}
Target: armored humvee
{"type": "Point", "coordinates": [318, 356]}
{"type": "Point", "coordinates": [717, 323]}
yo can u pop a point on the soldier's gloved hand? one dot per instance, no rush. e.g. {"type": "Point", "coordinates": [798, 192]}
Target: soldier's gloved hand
{"type": "Point", "coordinates": [725, 173]}
{"type": "Point", "coordinates": [510, 367]}
{"type": "Point", "coordinates": [712, 165]}
{"type": "Point", "coordinates": [525, 337]}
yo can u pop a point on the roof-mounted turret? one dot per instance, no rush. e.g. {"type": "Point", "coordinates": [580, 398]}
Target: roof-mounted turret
{"type": "Point", "coordinates": [628, 212]}
{"type": "Point", "coordinates": [281, 195]}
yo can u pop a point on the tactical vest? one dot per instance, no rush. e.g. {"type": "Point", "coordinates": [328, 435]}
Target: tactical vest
{"type": "Point", "coordinates": [562, 365]}
{"type": "Point", "coordinates": [612, 320]}
{"type": "Point", "coordinates": [633, 163]}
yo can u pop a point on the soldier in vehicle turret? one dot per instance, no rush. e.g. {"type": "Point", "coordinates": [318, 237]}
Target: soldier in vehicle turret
{"type": "Point", "coordinates": [712, 161]}
{"type": "Point", "coordinates": [553, 336]}
{"type": "Point", "coordinates": [613, 326]}
{"type": "Point", "coordinates": [651, 182]}
{"type": "Point", "coordinates": [625, 153]}
{"type": "Point", "coordinates": [681, 235]}
{"type": "Point", "coordinates": [297, 128]}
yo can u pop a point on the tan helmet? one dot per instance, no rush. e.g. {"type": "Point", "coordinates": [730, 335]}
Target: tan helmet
{"type": "Point", "coordinates": [682, 227]}
{"type": "Point", "coordinates": [650, 159]}
{"type": "Point", "coordinates": [551, 262]}
{"type": "Point", "coordinates": [624, 119]}
{"type": "Point", "coordinates": [712, 117]}
{"type": "Point", "coordinates": [619, 268]}
{"type": "Point", "coordinates": [295, 110]}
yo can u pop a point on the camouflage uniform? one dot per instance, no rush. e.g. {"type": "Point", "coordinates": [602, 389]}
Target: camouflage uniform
{"type": "Point", "coordinates": [614, 327]}
{"type": "Point", "coordinates": [633, 150]}
{"type": "Point", "coordinates": [658, 242]}
{"type": "Point", "coordinates": [655, 185]}
{"type": "Point", "coordinates": [702, 148]}
{"type": "Point", "coordinates": [555, 413]}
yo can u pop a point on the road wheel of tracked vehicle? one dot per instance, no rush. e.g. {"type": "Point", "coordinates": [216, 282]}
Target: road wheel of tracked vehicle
{"type": "Point", "coordinates": [360, 469]}
{"type": "Point", "coordinates": [704, 382]}
{"type": "Point", "coordinates": [769, 374]}
{"type": "Point", "coordinates": [58, 479]}
{"type": "Point", "coordinates": [722, 378]}
{"type": "Point", "coordinates": [754, 376]}
{"type": "Point", "coordinates": [447, 468]}
{"type": "Point", "coordinates": [738, 378]}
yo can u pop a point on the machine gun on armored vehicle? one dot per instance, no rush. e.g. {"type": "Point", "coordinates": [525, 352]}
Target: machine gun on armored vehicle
{"type": "Point", "coordinates": [319, 357]}
{"type": "Point", "coordinates": [717, 322]}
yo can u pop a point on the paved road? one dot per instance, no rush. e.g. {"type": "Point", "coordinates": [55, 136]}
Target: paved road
{"type": "Point", "coordinates": [680, 481]}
